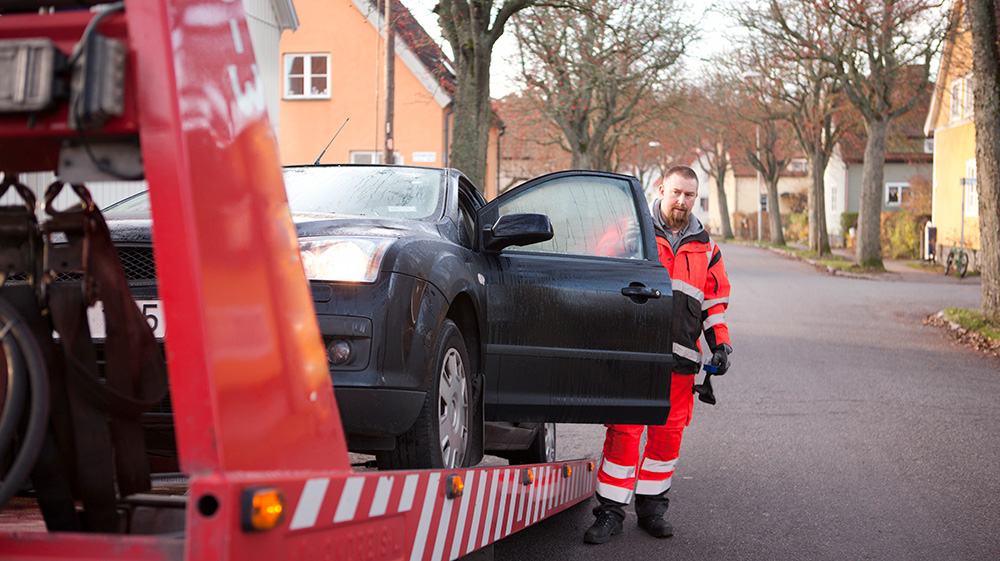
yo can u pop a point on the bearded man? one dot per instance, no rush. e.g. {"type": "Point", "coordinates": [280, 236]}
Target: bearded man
{"type": "Point", "coordinates": [700, 298]}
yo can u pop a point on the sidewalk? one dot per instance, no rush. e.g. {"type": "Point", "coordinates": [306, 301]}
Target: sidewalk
{"type": "Point", "coordinates": [895, 270]}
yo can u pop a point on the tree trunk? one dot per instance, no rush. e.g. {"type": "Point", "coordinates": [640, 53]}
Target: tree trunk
{"type": "Point", "coordinates": [720, 195]}
{"type": "Point", "coordinates": [471, 124]}
{"type": "Point", "coordinates": [986, 100]}
{"type": "Point", "coordinates": [774, 211]}
{"type": "Point", "coordinates": [819, 238]}
{"type": "Point", "coordinates": [869, 250]}
{"type": "Point", "coordinates": [580, 160]}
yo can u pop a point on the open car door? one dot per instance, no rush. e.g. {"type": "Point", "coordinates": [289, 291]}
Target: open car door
{"type": "Point", "coordinates": [580, 325]}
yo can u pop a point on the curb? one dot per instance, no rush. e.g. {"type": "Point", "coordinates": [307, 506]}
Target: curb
{"type": "Point", "coordinates": [825, 268]}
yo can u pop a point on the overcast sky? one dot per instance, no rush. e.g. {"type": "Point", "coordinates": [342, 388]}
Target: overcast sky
{"type": "Point", "coordinates": [504, 70]}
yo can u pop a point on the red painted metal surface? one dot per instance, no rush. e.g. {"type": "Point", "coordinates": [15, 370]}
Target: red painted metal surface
{"type": "Point", "coordinates": [392, 515]}
{"type": "Point", "coordinates": [252, 399]}
{"type": "Point", "coordinates": [244, 352]}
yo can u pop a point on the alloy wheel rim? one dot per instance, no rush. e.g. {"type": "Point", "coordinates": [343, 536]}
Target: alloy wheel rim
{"type": "Point", "coordinates": [453, 409]}
{"type": "Point", "coordinates": [550, 442]}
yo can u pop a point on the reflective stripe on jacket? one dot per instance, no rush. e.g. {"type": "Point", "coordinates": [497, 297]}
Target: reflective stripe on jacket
{"type": "Point", "coordinates": [701, 296]}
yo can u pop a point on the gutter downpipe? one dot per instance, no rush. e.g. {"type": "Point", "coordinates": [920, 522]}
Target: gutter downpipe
{"type": "Point", "coordinates": [502, 131]}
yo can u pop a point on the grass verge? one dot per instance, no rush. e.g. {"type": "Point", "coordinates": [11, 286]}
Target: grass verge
{"type": "Point", "coordinates": [974, 321]}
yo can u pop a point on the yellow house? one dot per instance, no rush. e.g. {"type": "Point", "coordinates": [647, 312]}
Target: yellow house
{"type": "Point", "coordinates": [333, 76]}
{"type": "Point", "coordinates": [955, 210]}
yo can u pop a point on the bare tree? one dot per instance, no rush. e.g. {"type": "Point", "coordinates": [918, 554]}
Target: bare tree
{"type": "Point", "coordinates": [769, 153]}
{"type": "Point", "coordinates": [715, 114]}
{"type": "Point", "coordinates": [659, 140]}
{"type": "Point", "coordinates": [879, 49]}
{"type": "Point", "coordinates": [884, 60]}
{"type": "Point", "coordinates": [594, 67]}
{"type": "Point", "coordinates": [472, 28]}
{"type": "Point", "coordinates": [986, 99]}
{"type": "Point", "coordinates": [805, 88]}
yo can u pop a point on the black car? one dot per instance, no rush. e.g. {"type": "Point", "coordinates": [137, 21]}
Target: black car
{"type": "Point", "coordinates": [453, 325]}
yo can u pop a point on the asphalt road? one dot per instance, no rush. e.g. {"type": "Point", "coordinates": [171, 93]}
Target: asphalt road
{"type": "Point", "coordinates": [845, 430]}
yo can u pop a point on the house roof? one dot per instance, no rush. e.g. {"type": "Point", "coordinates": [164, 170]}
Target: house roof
{"type": "Point", "coordinates": [905, 139]}
{"type": "Point", "coordinates": [947, 56]}
{"type": "Point", "coordinates": [284, 14]}
{"type": "Point", "coordinates": [942, 74]}
{"type": "Point", "coordinates": [415, 48]}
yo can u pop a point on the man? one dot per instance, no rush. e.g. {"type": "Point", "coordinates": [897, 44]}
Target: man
{"type": "Point", "coordinates": [701, 296]}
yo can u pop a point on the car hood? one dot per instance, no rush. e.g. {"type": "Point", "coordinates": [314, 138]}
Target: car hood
{"type": "Point", "coordinates": [312, 225]}
{"type": "Point", "coordinates": [138, 230]}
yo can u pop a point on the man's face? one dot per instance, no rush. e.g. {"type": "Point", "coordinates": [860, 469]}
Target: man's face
{"type": "Point", "coordinates": [678, 195]}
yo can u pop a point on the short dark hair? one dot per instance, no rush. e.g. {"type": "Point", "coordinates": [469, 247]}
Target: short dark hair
{"type": "Point", "coordinates": [683, 171]}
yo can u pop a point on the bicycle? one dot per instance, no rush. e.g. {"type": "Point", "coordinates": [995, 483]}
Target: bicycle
{"type": "Point", "coordinates": [958, 257]}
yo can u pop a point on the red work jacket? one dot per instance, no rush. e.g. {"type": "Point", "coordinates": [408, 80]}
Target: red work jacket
{"type": "Point", "coordinates": [701, 296]}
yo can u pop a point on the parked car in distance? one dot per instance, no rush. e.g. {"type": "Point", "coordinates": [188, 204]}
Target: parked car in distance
{"type": "Point", "coordinates": [454, 326]}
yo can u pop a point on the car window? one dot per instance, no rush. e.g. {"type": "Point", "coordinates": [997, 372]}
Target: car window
{"type": "Point", "coordinates": [591, 215]}
{"type": "Point", "coordinates": [385, 191]}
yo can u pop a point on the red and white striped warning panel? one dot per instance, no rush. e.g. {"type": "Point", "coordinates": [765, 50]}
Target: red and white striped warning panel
{"type": "Point", "coordinates": [415, 515]}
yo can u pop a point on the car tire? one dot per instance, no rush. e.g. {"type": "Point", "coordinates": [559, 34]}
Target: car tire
{"type": "Point", "coordinates": [542, 449]}
{"type": "Point", "coordinates": [446, 416]}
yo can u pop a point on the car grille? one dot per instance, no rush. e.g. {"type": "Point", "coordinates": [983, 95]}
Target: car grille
{"type": "Point", "coordinates": [137, 261]}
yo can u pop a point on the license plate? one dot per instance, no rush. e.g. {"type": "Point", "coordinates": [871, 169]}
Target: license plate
{"type": "Point", "coordinates": [152, 309]}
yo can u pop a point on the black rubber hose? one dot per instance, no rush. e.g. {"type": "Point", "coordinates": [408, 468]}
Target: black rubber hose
{"type": "Point", "coordinates": [18, 337]}
{"type": "Point", "coordinates": [17, 390]}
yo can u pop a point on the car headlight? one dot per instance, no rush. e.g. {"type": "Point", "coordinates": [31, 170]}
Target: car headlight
{"type": "Point", "coordinates": [343, 259]}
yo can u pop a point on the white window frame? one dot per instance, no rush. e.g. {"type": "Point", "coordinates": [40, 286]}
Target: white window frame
{"type": "Point", "coordinates": [898, 187]}
{"type": "Point", "coordinates": [374, 157]}
{"type": "Point", "coordinates": [956, 100]}
{"type": "Point", "coordinates": [971, 191]}
{"type": "Point", "coordinates": [967, 97]}
{"type": "Point", "coordinates": [307, 76]}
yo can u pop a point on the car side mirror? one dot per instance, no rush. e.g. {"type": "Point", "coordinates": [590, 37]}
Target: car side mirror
{"type": "Point", "coordinates": [517, 229]}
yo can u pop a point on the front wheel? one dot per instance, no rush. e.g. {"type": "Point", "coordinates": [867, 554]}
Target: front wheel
{"type": "Point", "coordinates": [962, 266]}
{"type": "Point", "coordinates": [948, 263]}
{"type": "Point", "coordinates": [440, 436]}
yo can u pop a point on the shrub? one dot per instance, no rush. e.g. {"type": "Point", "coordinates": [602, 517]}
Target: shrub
{"type": "Point", "coordinates": [848, 220]}
{"type": "Point", "coordinates": [796, 227]}
{"type": "Point", "coordinates": [900, 235]}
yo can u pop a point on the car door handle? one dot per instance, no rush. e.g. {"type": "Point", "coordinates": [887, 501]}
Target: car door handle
{"type": "Point", "coordinates": [640, 292]}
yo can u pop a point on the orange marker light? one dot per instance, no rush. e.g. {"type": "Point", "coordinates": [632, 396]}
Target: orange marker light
{"type": "Point", "coordinates": [454, 486]}
{"type": "Point", "coordinates": [567, 470]}
{"type": "Point", "coordinates": [263, 509]}
{"type": "Point", "coordinates": [590, 466]}
{"type": "Point", "coordinates": [527, 476]}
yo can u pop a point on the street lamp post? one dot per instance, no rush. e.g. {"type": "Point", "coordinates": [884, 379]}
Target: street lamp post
{"type": "Point", "coordinates": [760, 201]}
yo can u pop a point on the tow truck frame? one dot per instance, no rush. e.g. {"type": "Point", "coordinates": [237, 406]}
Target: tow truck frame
{"type": "Point", "coordinates": [254, 411]}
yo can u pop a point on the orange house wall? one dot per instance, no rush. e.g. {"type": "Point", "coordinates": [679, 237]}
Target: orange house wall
{"type": "Point", "coordinates": [356, 93]}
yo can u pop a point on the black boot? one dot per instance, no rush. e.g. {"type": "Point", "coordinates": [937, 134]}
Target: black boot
{"type": "Point", "coordinates": [650, 510]}
{"type": "Point", "coordinates": [656, 526]}
{"type": "Point", "coordinates": [606, 525]}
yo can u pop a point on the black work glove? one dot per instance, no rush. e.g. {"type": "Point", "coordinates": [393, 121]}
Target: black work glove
{"type": "Point", "coordinates": [720, 358]}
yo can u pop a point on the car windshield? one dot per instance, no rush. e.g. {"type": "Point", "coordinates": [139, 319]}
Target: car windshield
{"type": "Point", "coordinates": [384, 191]}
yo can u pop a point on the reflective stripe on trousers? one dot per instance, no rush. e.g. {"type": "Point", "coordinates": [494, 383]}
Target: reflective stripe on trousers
{"type": "Point", "coordinates": [624, 472]}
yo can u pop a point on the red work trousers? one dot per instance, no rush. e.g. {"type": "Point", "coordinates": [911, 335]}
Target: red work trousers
{"type": "Point", "coordinates": [623, 472]}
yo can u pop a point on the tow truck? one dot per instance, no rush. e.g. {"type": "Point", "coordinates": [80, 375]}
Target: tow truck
{"type": "Point", "coordinates": [168, 90]}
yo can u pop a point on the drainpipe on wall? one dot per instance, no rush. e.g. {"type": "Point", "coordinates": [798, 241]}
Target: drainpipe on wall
{"type": "Point", "coordinates": [502, 131]}
{"type": "Point", "coordinates": [447, 131]}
